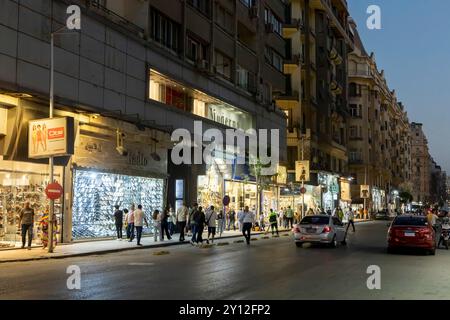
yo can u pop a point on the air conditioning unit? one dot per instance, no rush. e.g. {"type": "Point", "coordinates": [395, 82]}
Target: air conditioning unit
{"type": "Point", "coordinates": [269, 27]}
{"type": "Point", "coordinates": [254, 13]}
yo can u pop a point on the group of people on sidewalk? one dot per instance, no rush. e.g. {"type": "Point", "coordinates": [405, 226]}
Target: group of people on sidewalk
{"type": "Point", "coordinates": [192, 220]}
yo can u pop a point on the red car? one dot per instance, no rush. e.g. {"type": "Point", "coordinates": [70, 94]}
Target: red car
{"type": "Point", "coordinates": [408, 231]}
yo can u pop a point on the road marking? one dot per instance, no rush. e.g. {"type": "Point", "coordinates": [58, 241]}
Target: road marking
{"type": "Point", "coordinates": [141, 264]}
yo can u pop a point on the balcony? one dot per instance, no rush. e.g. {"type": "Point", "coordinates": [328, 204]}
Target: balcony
{"type": "Point", "coordinates": [289, 96]}
{"type": "Point", "coordinates": [292, 26]}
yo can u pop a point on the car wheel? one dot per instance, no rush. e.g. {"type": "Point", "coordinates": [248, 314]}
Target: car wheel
{"type": "Point", "coordinates": [433, 252]}
{"type": "Point", "coordinates": [298, 244]}
{"type": "Point", "coordinates": [390, 250]}
{"type": "Point", "coordinates": [344, 242]}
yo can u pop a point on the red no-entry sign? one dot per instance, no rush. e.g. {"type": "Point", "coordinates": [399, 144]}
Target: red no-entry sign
{"type": "Point", "coordinates": [54, 191]}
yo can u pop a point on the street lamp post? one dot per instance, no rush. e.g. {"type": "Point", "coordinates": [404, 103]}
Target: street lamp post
{"type": "Point", "coordinates": [51, 158]}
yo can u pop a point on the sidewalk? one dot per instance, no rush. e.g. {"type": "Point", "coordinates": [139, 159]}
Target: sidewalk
{"type": "Point", "coordinates": [78, 249]}
{"type": "Point", "coordinates": [95, 247]}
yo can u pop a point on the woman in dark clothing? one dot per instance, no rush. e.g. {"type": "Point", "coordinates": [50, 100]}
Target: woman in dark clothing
{"type": "Point", "coordinates": [165, 224]}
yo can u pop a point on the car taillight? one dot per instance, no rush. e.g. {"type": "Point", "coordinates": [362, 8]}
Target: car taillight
{"type": "Point", "coordinates": [296, 230]}
{"type": "Point", "coordinates": [327, 229]}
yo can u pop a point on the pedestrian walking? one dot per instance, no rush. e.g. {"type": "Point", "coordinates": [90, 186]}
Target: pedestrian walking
{"type": "Point", "coordinates": [182, 216]}
{"type": "Point", "coordinates": [118, 218]}
{"type": "Point", "coordinates": [170, 221]}
{"type": "Point", "coordinates": [273, 222]}
{"type": "Point", "coordinates": [156, 219]}
{"type": "Point", "coordinates": [189, 219]}
{"type": "Point", "coordinates": [232, 219]}
{"type": "Point", "coordinates": [139, 220]}
{"type": "Point", "coordinates": [351, 219]}
{"type": "Point", "coordinates": [340, 214]}
{"type": "Point", "coordinates": [129, 217]}
{"type": "Point", "coordinates": [211, 220]}
{"type": "Point", "coordinates": [247, 220]}
{"type": "Point", "coordinates": [289, 217]}
{"type": "Point", "coordinates": [165, 224]}
{"type": "Point", "coordinates": [26, 221]}
{"type": "Point", "coordinates": [220, 223]}
{"type": "Point", "coordinates": [262, 225]}
{"type": "Point", "coordinates": [197, 225]}
{"type": "Point", "coordinates": [240, 214]}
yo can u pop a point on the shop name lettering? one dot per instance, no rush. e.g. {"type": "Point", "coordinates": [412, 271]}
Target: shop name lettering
{"type": "Point", "coordinates": [261, 153]}
{"type": "Point", "coordinates": [137, 159]}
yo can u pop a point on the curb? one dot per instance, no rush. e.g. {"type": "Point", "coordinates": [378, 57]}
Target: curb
{"type": "Point", "coordinates": [103, 252]}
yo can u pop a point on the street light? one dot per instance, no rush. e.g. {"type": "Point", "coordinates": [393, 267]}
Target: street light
{"type": "Point", "coordinates": [52, 102]}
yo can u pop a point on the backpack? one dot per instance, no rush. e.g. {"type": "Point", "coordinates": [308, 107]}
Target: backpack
{"type": "Point", "coordinates": [196, 217]}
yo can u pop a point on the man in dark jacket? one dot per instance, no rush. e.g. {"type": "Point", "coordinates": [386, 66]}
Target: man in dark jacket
{"type": "Point", "coordinates": [118, 217]}
{"type": "Point", "coordinates": [165, 224]}
{"type": "Point", "coordinates": [198, 223]}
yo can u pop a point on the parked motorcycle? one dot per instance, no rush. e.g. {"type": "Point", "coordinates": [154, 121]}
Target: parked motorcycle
{"type": "Point", "coordinates": [445, 233]}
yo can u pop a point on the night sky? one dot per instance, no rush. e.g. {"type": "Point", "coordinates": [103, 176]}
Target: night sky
{"type": "Point", "coordinates": [413, 47]}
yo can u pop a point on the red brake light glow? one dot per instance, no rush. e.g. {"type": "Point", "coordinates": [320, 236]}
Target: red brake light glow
{"type": "Point", "coordinates": [327, 229]}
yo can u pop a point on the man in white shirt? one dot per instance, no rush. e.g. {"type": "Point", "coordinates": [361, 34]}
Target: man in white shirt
{"type": "Point", "coordinates": [247, 221]}
{"type": "Point", "coordinates": [351, 219]}
{"type": "Point", "coordinates": [211, 218]}
{"type": "Point", "coordinates": [182, 214]}
{"type": "Point", "coordinates": [139, 219]}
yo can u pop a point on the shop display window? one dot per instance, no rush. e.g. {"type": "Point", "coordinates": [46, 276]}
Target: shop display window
{"type": "Point", "coordinates": [95, 194]}
{"type": "Point", "coordinates": [22, 182]}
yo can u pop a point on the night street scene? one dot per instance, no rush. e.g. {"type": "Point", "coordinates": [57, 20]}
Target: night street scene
{"type": "Point", "coordinates": [226, 150]}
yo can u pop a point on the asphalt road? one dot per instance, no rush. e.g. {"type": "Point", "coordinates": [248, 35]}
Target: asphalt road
{"type": "Point", "coordinates": [267, 269]}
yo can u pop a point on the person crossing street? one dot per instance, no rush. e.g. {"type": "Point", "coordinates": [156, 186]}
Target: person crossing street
{"type": "Point", "coordinates": [351, 219]}
{"type": "Point", "coordinates": [247, 220]}
{"type": "Point", "coordinates": [273, 222]}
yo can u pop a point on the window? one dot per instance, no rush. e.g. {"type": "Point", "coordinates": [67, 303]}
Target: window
{"type": "Point", "coordinates": [355, 90]}
{"type": "Point", "coordinates": [224, 18]}
{"type": "Point", "coordinates": [271, 19]}
{"type": "Point", "coordinates": [164, 30]}
{"type": "Point", "coordinates": [201, 5]}
{"type": "Point", "coordinates": [353, 110]}
{"type": "Point", "coordinates": [172, 93]}
{"type": "Point", "coordinates": [248, 3]}
{"type": "Point", "coordinates": [353, 132]}
{"type": "Point", "coordinates": [245, 79]}
{"type": "Point", "coordinates": [195, 50]}
{"type": "Point", "coordinates": [223, 65]}
{"type": "Point", "coordinates": [274, 59]}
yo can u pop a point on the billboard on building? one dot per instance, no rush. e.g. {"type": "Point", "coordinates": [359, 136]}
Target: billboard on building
{"type": "Point", "coordinates": [365, 192]}
{"type": "Point", "coordinates": [302, 171]}
{"type": "Point", "coordinates": [50, 137]}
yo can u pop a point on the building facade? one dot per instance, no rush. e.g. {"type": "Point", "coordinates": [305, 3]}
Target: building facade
{"type": "Point", "coordinates": [317, 41]}
{"type": "Point", "coordinates": [379, 136]}
{"type": "Point", "coordinates": [135, 72]}
{"type": "Point", "coordinates": [421, 159]}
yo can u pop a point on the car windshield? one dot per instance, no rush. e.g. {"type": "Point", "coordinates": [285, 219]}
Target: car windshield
{"type": "Point", "coordinates": [410, 221]}
{"type": "Point", "coordinates": [315, 220]}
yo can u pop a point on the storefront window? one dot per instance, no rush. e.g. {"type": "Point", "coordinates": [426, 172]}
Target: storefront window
{"type": "Point", "coordinates": [95, 195]}
{"type": "Point", "coordinates": [22, 182]}
{"type": "Point", "coordinates": [172, 93]}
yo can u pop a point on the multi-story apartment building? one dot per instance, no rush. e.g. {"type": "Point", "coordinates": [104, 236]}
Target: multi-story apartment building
{"type": "Point", "coordinates": [136, 71]}
{"type": "Point", "coordinates": [438, 184]}
{"type": "Point", "coordinates": [379, 140]}
{"type": "Point", "coordinates": [315, 103]}
{"type": "Point", "coordinates": [420, 158]}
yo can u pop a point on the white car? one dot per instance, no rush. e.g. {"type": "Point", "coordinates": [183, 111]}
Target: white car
{"type": "Point", "coordinates": [319, 229]}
